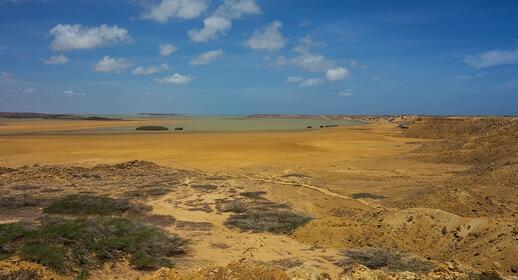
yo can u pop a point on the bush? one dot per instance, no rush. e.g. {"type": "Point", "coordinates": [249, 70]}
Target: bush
{"type": "Point", "coordinates": [22, 274]}
{"type": "Point", "coordinates": [152, 128]}
{"type": "Point", "coordinates": [151, 192]}
{"type": "Point", "coordinates": [88, 205]}
{"type": "Point", "coordinates": [276, 221]}
{"type": "Point", "coordinates": [77, 245]}
{"type": "Point", "coordinates": [485, 276]}
{"type": "Point", "coordinates": [19, 200]}
{"type": "Point", "coordinates": [367, 195]}
{"type": "Point", "coordinates": [391, 260]}
{"type": "Point", "coordinates": [253, 195]}
{"type": "Point", "coordinates": [235, 206]}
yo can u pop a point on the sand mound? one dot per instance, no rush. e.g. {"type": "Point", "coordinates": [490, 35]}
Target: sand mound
{"type": "Point", "coordinates": [255, 271]}
{"type": "Point", "coordinates": [446, 271]}
{"type": "Point", "coordinates": [489, 145]}
{"type": "Point", "coordinates": [467, 140]}
{"type": "Point", "coordinates": [429, 233]}
{"type": "Point", "coordinates": [232, 271]}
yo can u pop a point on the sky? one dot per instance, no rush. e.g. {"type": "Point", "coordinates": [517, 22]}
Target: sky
{"type": "Point", "coordinates": [231, 57]}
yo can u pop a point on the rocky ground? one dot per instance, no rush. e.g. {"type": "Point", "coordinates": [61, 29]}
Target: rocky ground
{"type": "Point", "coordinates": [440, 223]}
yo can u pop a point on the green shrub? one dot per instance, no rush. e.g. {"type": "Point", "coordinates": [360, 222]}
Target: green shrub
{"type": "Point", "coordinates": [391, 260]}
{"type": "Point", "coordinates": [87, 205]}
{"type": "Point", "coordinates": [19, 200]}
{"type": "Point", "coordinates": [485, 276]}
{"type": "Point", "coordinates": [21, 274]}
{"type": "Point", "coordinates": [152, 128]}
{"type": "Point", "coordinates": [276, 221]}
{"type": "Point", "coordinates": [78, 245]}
{"type": "Point", "coordinates": [253, 195]}
{"type": "Point", "coordinates": [367, 195]}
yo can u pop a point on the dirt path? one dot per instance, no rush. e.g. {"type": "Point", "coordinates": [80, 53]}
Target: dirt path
{"type": "Point", "coordinates": [212, 243]}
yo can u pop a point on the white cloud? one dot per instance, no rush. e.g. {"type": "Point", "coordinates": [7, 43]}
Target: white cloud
{"type": "Point", "coordinates": [336, 74]}
{"type": "Point", "coordinates": [305, 44]}
{"type": "Point", "coordinates": [478, 75]}
{"type": "Point", "coordinates": [347, 92]}
{"type": "Point", "coordinates": [294, 79]}
{"type": "Point", "coordinates": [221, 20]}
{"type": "Point", "coordinates": [116, 65]}
{"type": "Point", "coordinates": [305, 23]}
{"type": "Point", "coordinates": [6, 75]}
{"type": "Point", "coordinates": [357, 64]}
{"type": "Point", "coordinates": [375, 78]}
{"type": "Point", "coordinates": [207, 57]}
{"type": "Point", "coordinates": [492, 58]}
{"type": "Point", "coordinates": [281, 61]}
{"type": "Point", "coordinates": [167, 49]}
{"type": "Point", "coordinates": [269, 38]}
{"type": "Point", "coordinates": [73, 93]}
{"type": "Point", "coordinates": [311, 82]}
{"type": "Point", "coordinates": [72, 37]}
{"type": "Point", "coordinates": [313, 62]}
{"type": "Point", "coordinates": [29, 90]}
{"type": "Point", "coordinates": [176, 79]}
{"type": "Point", "coordinates": [212, 27]}
{"type": "Point", "coordinates": [141, 70]}
{"type": "Point", "coordinates": [235, 9]}
{"type": "Point", "coordinates": [7, 2]}
{"type": "Point", "coordinates": [56, 59]}
{"type": "Point", "coordinates": [167, 9]}
{"type": "Point", "coordinates": [308, 60]}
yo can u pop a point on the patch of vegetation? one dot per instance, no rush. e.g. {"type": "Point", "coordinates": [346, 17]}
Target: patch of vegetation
{"type": "Point", "coordinates": [68, 246]}
{"type": "Point", "coordinates": [276, 221]}
{"type": "Point", "coordinates": [152, 128]}
{"type": "Point", "coordinates": [235, 206]}
{"type": "Point", "coordinates": [257, 214]}
{"type": "Point", "coordinates": [295, 175]}
{"type": "Point", "coordinates": [391, 260]}
{"type": "Point", "coordinates": [194, 226]}
{"type": "Point", "coordinates": [97, 118]}
{"type": "Point", "coordinates": [51, 190]}
{"type": "Point", "coordinates": [253, 195]}
{"type": "Point", "coordinates": [22, 274]}
{"type": "Point", "coordinates": [205, 188]}
{"type": "Point", "coordinates": [485, 276]}
{"type": "Point", "coordinates": [19, 200]}
{"type": "Point", "coordinates": [154, 192]}
{"type": "Point", "coordinates": [367, 195]}
{"type": "Point", "coordinates": [88, 205]}
{"type": "Point", "coordinates": [161, 220]}
{"type": "Point", "coordinates": [25, 187]}
{"type": "Point", "coordinates": [287, 263]}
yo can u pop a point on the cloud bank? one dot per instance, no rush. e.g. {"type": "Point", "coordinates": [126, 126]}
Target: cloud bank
{"type": "Point", "coordinates": [74, 37]}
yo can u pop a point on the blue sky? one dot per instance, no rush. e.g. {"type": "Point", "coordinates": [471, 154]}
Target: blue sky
{"type": "Point", "coordinates": [259, 56]}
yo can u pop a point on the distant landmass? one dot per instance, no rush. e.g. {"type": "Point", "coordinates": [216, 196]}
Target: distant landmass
{"type": "Point", "coordinates": [159, 114]}
{"type": "Point", "coordinates": [30, 115]}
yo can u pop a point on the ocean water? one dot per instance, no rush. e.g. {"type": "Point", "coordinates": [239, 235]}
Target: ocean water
{"type": "Point", "coordinates": [208, 123]}
{"type": "Point", "coordinates": [237, 123]}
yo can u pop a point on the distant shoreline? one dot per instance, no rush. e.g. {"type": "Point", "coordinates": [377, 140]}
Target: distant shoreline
{"type": "Point", "coordinates": [30, 115]}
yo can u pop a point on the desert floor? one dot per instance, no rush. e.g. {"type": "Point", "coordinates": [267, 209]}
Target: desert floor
{"type": "Point", "coordinates": [319, 172]}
